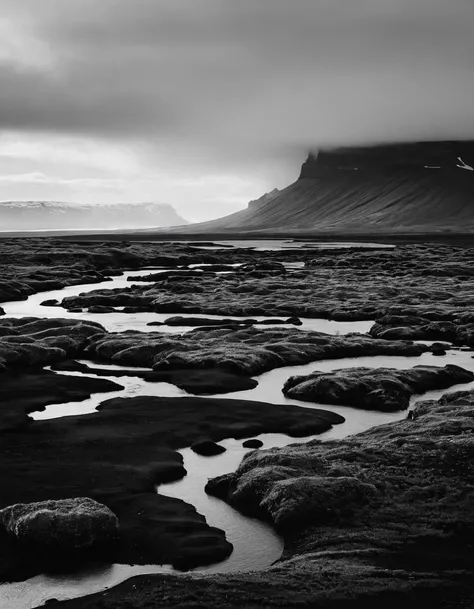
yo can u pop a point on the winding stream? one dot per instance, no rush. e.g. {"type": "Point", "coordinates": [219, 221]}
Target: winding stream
{"type": "Point", "coordinates": [256, 545]}
{"type": "Point", "coordinates": [119, 322]}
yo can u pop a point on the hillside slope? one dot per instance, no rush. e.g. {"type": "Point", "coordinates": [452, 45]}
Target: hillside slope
{"type": "Point", "coordinates": [404, 188]}
{"type": "Point", "coordinates": [43, 215]}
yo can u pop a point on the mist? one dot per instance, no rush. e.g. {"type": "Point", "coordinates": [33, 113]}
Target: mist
{"type": "Point", "coordinates": [206, 104]}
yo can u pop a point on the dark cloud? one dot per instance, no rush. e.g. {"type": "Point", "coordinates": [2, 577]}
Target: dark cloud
{"type": "Point", "coordinates": [241, 81]}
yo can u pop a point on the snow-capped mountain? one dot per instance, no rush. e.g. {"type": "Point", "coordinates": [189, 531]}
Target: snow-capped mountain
{"type": "Point", "coordinates": [56, 215]}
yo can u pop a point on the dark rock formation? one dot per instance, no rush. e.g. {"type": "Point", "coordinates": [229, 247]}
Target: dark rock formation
{"type": "Point", "coordinates": [32, 341]}
{"type": "Point", "coordinates": [51, 302]}
{"type": "Point", "coordinates": [247, 352]}
{"type": "Point", "coordinates": [101, 309]}
{"type": "Point", "coordinates": [409, 157]}
{"type": "Point", "coordinates": [456, 330]}
{"type": "Point", "coordinates": [426, 449]}
{"type": "Point", "coordinates": [384, 389]}
{"type": "Point", "coordinates": [60, 528]}
{"type": "Point", "coordinates": [197, 322]}
{"type": "Point", "coordinates": [252, 443]}
{"type": "Point", "coordinates": [175, 275]}
{"type": "Point", "coordinates": [119, 454]}
{"type": "Point", "coordinates": [197, 382]}
{"type": "Point", "coordinates": [207, 448]}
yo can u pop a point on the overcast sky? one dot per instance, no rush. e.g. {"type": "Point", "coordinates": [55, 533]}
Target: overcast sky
{"type": "Point", "coordinates": [206, 104]}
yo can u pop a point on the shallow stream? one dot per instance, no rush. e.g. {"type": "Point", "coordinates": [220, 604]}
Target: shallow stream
{"type": "Point", "coordinates": [256, 545]}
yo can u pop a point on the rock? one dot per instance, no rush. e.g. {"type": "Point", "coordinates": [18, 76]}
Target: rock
{"type": "Point", "coordinates": [208, 382]}
{"type": "Point", "coordinates": [70, 365]}
{"type": "Point", "coordinates": [245, 352]}
{"type": "Point", "coordinates": [120, 453]}
{"type": "Point", "coordinates": [271, 322]}
{"type": "Point", "coordinates": [52, 302]}
{"type": "Point", "coordinates": [165, 472]}
{"type": "Point", "coordinates": [296, 321]}
{"type": "Point", "coordinates": [137, 310]}
{"type": "Point", "coordinates": [30, 341]}
{"type": "Point", "coordinates": [167, 276]}
{"type": "Point", "coordinates": [207, 448]}
{"type": "Point", "coordinates": [2, 311]}
{"type": "Point", "coordinates": [253, 443]}
{"type": "Point", "coordinates": [63, 526]}
{"type": "Point", "coordinates": [216, 268]}
{"type": "Point", "coordinates": [384, 389]}
{"type": "Point", "coordinates": [440, 347]}
{"type": "Point", "coordinates": [321, 489]}
{"type": "Point", "coordinates": [197, 382]}
{"type": "Point", "coordinates": [202, 321]}
{"type": "Point", "coordinates": [101, 309]}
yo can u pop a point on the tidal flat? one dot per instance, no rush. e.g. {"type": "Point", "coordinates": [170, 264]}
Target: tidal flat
{"type": "Point", "coordinates": [380, 517]}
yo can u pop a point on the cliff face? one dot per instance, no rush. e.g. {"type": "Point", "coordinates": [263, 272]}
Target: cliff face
{"type": "Point", "coordinates": [44, 215]}
{"type": "Point", "coordinates": [425, 187]}
{"type": "Point", "coordinates": [411, 158]}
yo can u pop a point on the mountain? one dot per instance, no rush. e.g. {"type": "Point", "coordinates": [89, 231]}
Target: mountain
{"type": "Point", "coordinates": [55, 215]}
{"type": "Point", "coordinates": [425, 187]}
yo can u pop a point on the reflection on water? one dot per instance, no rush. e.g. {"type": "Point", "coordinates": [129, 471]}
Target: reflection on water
{"type": "Point", "coordinates": [132, 388]}
{"type": "Point", "coordinates": [256, 545]}
{"type": "Point", "coordinates": [271, 383]}
{"type": "Point", "coordinates": [261, 245]}
{"type": "Point", "coordinates": [269, 389]}
{"type": "Point", "coordinates": [36, 591]}
{"type": "Point", "coordinates": [120, 322]}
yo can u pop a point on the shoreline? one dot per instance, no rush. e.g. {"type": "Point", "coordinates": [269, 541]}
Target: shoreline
{"type": "Point", "coordinates": [415, 292]}
{"type": "Point", "coordinates": [333, 566]}
{"type": "Point", "coordinates": [458, 238]}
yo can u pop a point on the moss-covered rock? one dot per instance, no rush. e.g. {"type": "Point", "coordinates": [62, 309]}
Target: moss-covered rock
{"type": "Point", "coordinates": [65, 525]}
{"type": "Point", "coordinates": [248, 351]}
{"type": "Point", "coordinates": [31, 341]}
{"type": "Point", "coordinates": [384, 389]}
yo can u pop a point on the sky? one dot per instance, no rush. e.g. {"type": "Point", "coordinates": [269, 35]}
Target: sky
{"type": "Point", "coordinates": [207, 104]}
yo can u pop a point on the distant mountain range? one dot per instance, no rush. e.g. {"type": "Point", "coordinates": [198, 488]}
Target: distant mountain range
{"type": "Point", "coordinates": [425, 187]}
{"type": "Point", "coordinates": [56, 215]}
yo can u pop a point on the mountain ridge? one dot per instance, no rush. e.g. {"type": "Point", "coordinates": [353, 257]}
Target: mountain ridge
{"type": "Point", "coordinates": [23, 215]}
{"type": "Point", "coordinates": [396, 188]}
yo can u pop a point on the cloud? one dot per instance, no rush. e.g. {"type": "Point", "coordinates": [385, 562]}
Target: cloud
{"type": "Point", "coordinates": [237, 86]}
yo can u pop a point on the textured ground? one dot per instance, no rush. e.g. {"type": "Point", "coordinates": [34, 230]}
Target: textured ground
{"type": "Point", "coordinates": [384, 518]}
{"type": "Point", "coordinates": [247, 351]}
{"type": "Point", "coordinates": [382, 389]}
{"type": "Point", "coordinates": [380, 519]}
{"type": "Point", "coordinates": [117, 455]}
{"type": "Point", "coordinates": [424, 289]}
